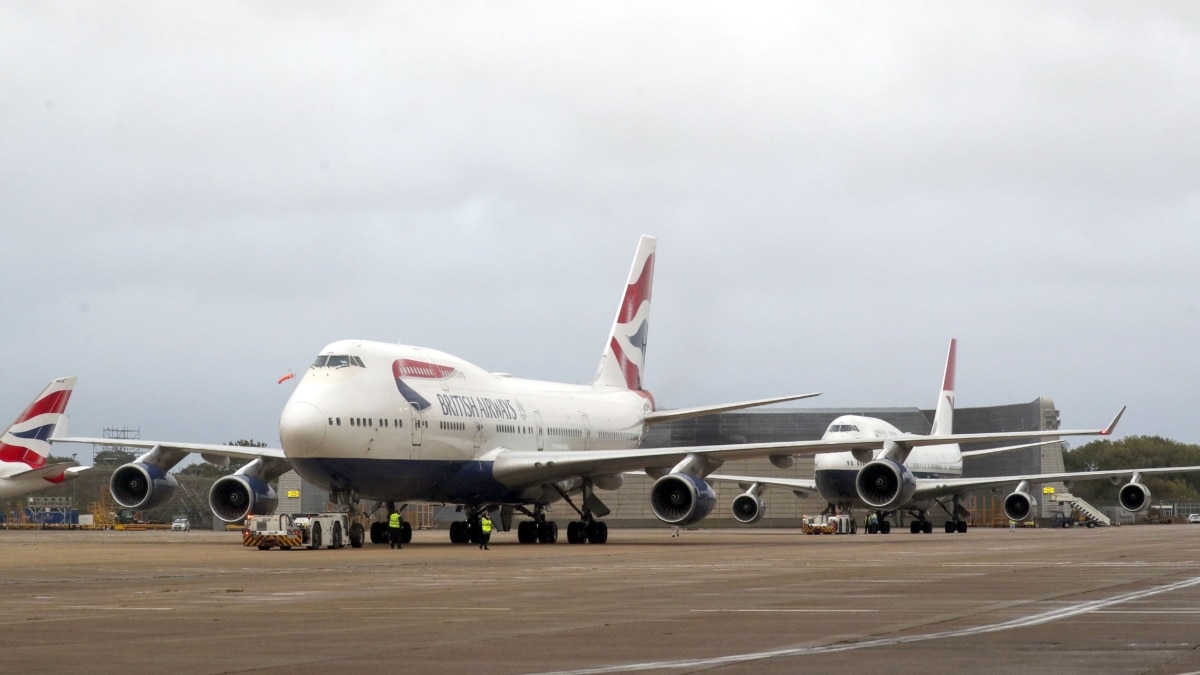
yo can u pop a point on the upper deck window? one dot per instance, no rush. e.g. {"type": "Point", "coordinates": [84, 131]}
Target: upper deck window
{"type": "Point", "coordinates": [337, 361]}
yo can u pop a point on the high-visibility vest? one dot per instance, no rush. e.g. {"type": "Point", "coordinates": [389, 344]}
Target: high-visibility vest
{"type": "Point", "coordinates": [394, 521]}
{"type": "Point", "coordinates": [486, 524]}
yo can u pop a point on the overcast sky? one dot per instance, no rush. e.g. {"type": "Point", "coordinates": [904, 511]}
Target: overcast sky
{"type": "Point", "coordinates": [197, 197]}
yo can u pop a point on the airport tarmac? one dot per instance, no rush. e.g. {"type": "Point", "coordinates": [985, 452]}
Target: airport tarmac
{"type": "Point", "coordinates": [1117, 600]}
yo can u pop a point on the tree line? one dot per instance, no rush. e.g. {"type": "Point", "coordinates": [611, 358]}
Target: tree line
{"type": "Point", "coordinates": [1136, 452]}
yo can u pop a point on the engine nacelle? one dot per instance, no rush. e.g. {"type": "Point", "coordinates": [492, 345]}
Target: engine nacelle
{"type": "Point", "coordinates": [1019, 506]}
{"type": "Point", "coordinates": [681, 499]}
{"type": "Point", "coordinates": [1134, 497]}
{"type": "Point", "coordinates": [748, 508]}
{"type": "Point", "coordinates": [142, 486]}
{"type": "Point", "coordinates": [885, 485]}
{"type": "Point", "coordinates": [232, 498]}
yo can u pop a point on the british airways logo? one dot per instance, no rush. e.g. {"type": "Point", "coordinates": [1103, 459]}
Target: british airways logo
{"type": "Point", "coordinates": [402, 368]}
{"type": "Point", "coordinates": [477, 406]}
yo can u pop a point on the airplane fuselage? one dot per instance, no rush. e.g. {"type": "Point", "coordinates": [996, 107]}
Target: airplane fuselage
{"type": "Point", "coordinates": [401, 423]}
{"type": "Point", "coordinates": [835, 472]}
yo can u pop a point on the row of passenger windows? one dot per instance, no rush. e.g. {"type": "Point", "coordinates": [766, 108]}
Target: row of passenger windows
{"type": "Point", "coordinates": [453, 426]}
{"type": "Point", "coordinates": [563, 431]}
{"type": "Point", "coordinates": [337, 361]}
{"type": "Point", "coordinates": [513, 429]}
{"type": "Point", "coordinates": [365, 422]}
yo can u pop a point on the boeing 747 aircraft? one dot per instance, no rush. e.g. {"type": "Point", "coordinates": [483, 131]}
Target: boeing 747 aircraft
{"type": "Point", "coordinates": [901, 477]}
{"type": "Point", "coordinates": [394, 424]}
{"type": "Point", "coordinates": [25, 446]}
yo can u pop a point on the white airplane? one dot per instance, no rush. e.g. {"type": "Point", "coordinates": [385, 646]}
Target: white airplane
{"type": "Point", "coordinates": [900, 476]}
{"type": "Point", "coordinates": [25, 444]}
{"type": "Point", "coordinates": [394, 424]}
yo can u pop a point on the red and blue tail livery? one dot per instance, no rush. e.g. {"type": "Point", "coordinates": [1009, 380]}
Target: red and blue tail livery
{"type": "Point", "coordinates": [25, 445]}
{"type": "Point", "coordinates": [625, 354]}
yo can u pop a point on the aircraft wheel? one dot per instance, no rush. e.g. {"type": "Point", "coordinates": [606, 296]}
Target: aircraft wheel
{"type": "Point", "coordinates": [548, 532]}
{"type": "Point", "coordinates": [885, 527]}
{"type": "Point", "coordinates": [601, 534]}
{"type": "Point", "coordinates": [576, 532]}
{"type": "Point", "coordinates": [527, 532]}
{"type": "Point", "coordinates": [458, 532]}
{"type": "Point", "coordinates": [914, 527]}
{"type": "Point", "coordinates": [962, 527]}
{"type": "Point", "coordinates": [379, 533]}
{"type": "Point", "coordinates": [405, 533]}
{"type": "Point", "coordinates": [927, 527]}
{"type": "Point", "coordinates": [356, 535]}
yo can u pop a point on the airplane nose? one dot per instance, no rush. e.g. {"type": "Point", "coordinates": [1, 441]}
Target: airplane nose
{"type": "Point", "coordinates": [301, 429]}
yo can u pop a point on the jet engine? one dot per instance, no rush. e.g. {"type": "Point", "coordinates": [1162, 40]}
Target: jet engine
{"type": "Point", "coordinates": [1134, 497]}
{"type": "Point", "coordinates": [1019, 505]}
{"type": "Point", "coordinates": [749, 507]}
{"type": "Point", "coordinates": [681, 499]}
{"type": "Point", "coordinates": [885, 484]}
{"type": "Point", "coordinates": [142, 486]}
{"type": "Point", "coordinates": [232, 498]}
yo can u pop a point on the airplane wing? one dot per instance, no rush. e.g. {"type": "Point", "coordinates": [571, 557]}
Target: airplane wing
{"type": "Point", "coordinates": [525, 467]}
{"type": "Point", "coordinates": [1007, 448]}
{"type": "Point", "coordinates": [207, 449]}
{"type": "Point", "coordinates": [685, 413]}
{"type": "Point", "coordinates": [942, 487]}
{"type": "Point", "coordinates": [803, 487]}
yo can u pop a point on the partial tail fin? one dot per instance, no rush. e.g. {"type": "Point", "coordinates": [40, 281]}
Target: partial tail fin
{"type": "Point", "coordinates": [943, 416]}
{"type": "Point", "coordinates": [625, 352]}
{"type": "Point", "coordinates": [27, 439]}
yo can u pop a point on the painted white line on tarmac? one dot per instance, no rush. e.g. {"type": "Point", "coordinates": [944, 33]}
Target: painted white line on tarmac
{"type": "Point", "coordinates": [119, 609]}
{"type": "Point", "coordinates": [1071, 610]}
{"type": "Point", "coordinates": [430, 609]}
{"type": "Point", "coordinates": [784, 611]}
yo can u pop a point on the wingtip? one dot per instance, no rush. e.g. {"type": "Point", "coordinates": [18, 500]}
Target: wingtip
{"type": "Point", "coordinates": [1113, 425]}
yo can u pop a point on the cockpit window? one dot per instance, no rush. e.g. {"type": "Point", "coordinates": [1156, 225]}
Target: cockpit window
{"type": "Point", "coordinates": [843, 427]}
{"type": "Point", "coordinates": [337, 361]}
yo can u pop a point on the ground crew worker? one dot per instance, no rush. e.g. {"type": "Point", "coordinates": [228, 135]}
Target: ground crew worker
{"type": "Point", "coordinates": [485, 531]}
{"type": "Point", "coordinates": [396, 530]}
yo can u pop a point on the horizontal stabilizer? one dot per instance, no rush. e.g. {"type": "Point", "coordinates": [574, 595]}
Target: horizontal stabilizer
{"type": "Point", "coordinates": [685, 413]}
{"type": "Point", "coordinates": [69, 469]}
{"type": "Point", "coordinates": [217, 449]}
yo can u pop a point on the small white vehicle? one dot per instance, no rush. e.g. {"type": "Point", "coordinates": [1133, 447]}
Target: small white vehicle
{"type": "Point", "coordinates": [1194, 519]}
{"type": "Point", "coordinates": [181, 525]}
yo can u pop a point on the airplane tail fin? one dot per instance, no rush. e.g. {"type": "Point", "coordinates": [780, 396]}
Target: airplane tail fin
{"type": "Point", "coordinates": [943, 416]}
{"type": "Point", "coordinates": [27, 439]}
{"type": "Point", "coordinates": [625, 352]}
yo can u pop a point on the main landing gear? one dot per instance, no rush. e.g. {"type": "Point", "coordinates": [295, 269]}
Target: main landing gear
{"type": "Point", "coordinates": [588, 529]}
{"type": "Point", "coordinates": [958, 516]}
{"type": "Point", "coordinates": [877, 523]}
{"type": "Point", "coordinates": [379, 528]}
